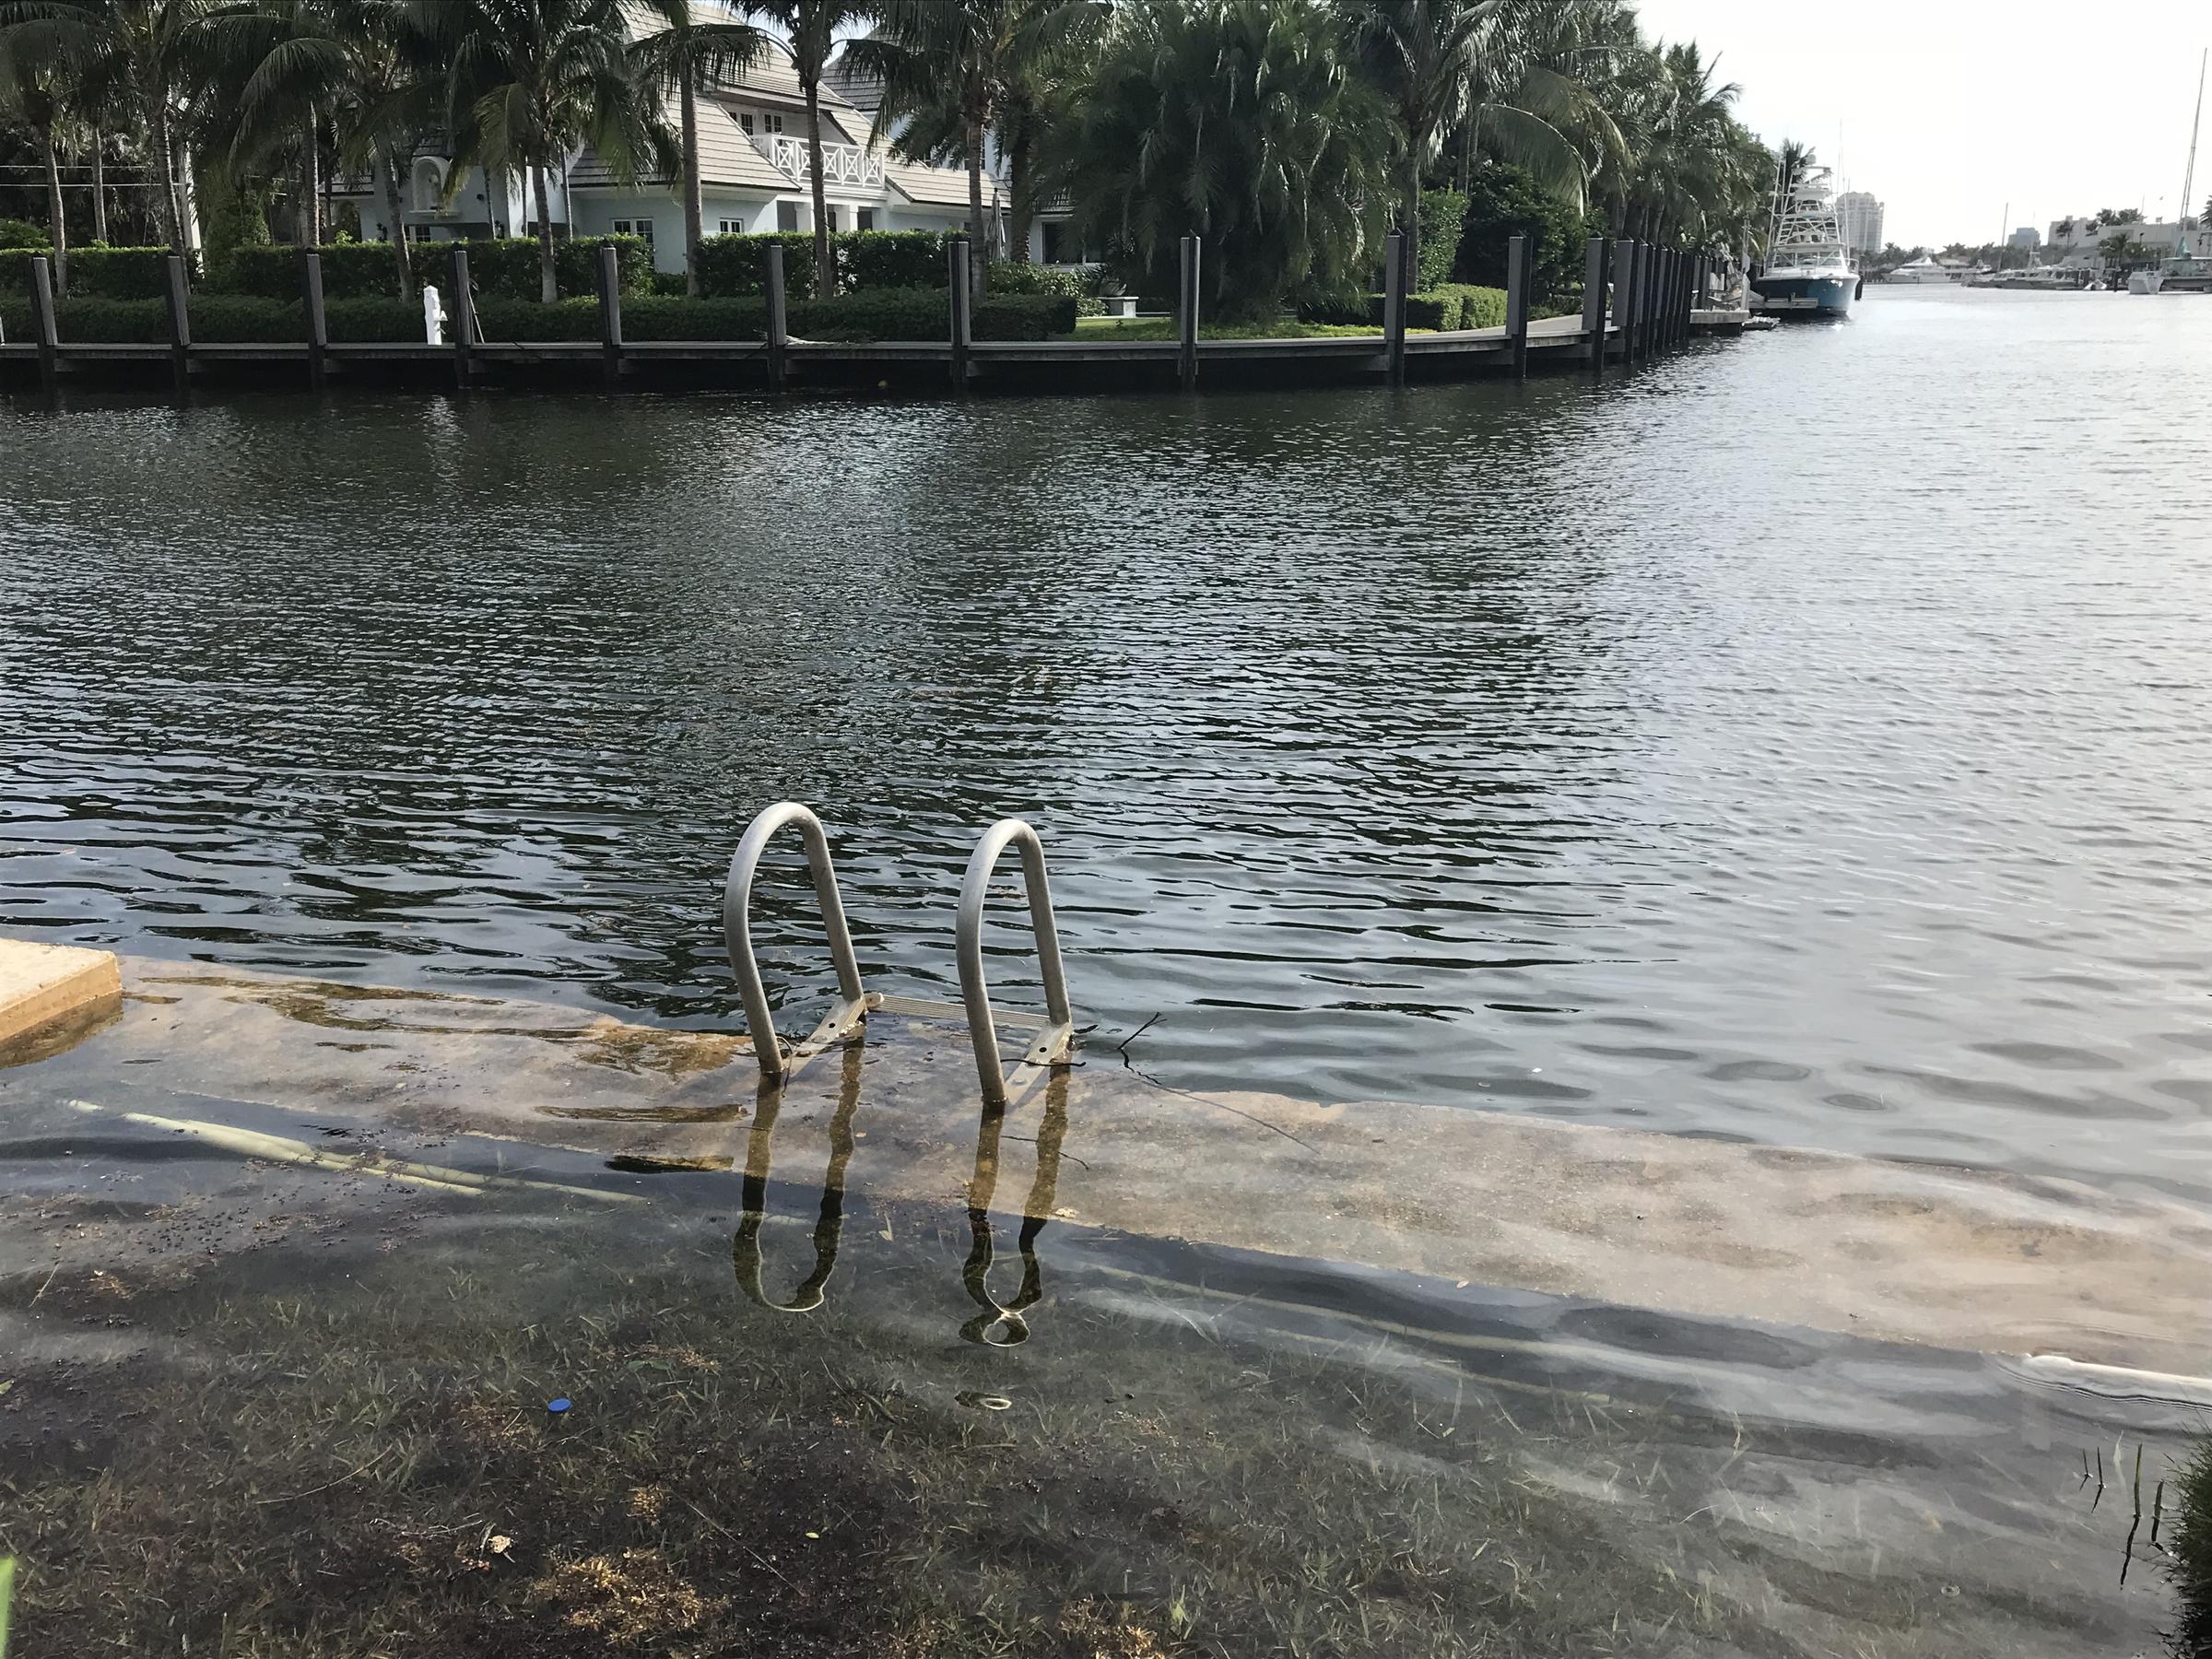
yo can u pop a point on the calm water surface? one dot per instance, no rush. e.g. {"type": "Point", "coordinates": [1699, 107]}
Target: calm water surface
{"type": "Point", "coordinates": [1805, 739]}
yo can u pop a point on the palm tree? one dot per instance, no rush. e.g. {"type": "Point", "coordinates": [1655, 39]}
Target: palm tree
{"type": "Point", "coordinates": [812, 28]}
{"type": "Point", "coordinates": [1244, 121]}
{"type": "Point", "coordinates": [31, 93]}
{"type": "Point", "coordinates": [1423, 53]}
{"type": "Point", "coordinates": [959, 66]}
{"type": "Point", "coordinates": [681, 54]}
{"type": "Point", "coordinates": [361, 65]}
{"type": "Point", "coordinates": [152, 49]}
{"type": "Point", "coordinates": [530, 81]}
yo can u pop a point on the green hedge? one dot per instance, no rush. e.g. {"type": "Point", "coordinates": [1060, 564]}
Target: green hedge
{"type": "Point", "coordinates": [1444, 222]}
{"type": "Point", "coordinates": [876, 314]}
{"type": "Point", "coordinates": [892, 259]}
{"type": "Point", "coordinates": [120, 273]}
{"type": "Point", "coordinates": [15, 270]}
{"type": "Point", "coordinates": [731, 267]}
{"type": "Point", "coordinates": [507, 267]}
{"type": "Point", "coordinates": [22, 233]}
{"type": "Point", "coordinates": [734, 265]}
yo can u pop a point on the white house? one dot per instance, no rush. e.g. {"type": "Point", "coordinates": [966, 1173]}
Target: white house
{"type": "Point", "coordinates": [2077, 248]}
{"type": "Point", "coordinates": [754, 176]}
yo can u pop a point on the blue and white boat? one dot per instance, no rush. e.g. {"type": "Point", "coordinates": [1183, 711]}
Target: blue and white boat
{"type": "Point", "coordinates": [1808, 270]}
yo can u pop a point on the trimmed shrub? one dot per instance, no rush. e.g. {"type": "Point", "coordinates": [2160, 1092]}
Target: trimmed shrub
{"type": "Point", "coordinates": [576, 266]}
{"type": "Point", "coordinates": [672, 284]}
{"type": "Point", "coordinates": [22, 233]}
{"type": "Point", "coordinates": [1443, 221]}
{"type": "Point", "coordinates": [1478, 307]}
{"type": "Point", "coordinates": [230, 317]}
{"type": "Point", "coordinates": [366, 317]}
{"type": "Point", "coordinates": [96, 272]}
{"type": "Point", "coordinates": [731, 266]}
{"type": "Point", "coordinates": [655, 317]}
{"type": "Point", "coordinates": [876, 314]}
{"type": "Point", "coordinates": [95, 317]}
{"type": "Point", "coordinates": [502, 318]}
{"type": "Point", "coordinates": [350, 270]}
{"type": "Point", "coordinates": [15, 269]}
{"type": "Point", "coordinates": [1024, 316]}
{"type": "Point", "coordinates": [892, 259]}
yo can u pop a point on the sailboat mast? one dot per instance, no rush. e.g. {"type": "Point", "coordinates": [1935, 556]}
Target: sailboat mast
{"type": "Point", "coordinates": [2188, 178]}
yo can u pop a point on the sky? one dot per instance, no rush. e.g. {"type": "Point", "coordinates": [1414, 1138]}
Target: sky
{"type": "Point", "coordinates": [1951, 108]}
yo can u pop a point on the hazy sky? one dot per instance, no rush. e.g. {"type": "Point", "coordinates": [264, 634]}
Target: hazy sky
{"type": "Point", "coordinates": [1950, 109]}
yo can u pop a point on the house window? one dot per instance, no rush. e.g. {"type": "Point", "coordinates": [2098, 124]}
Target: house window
{"type": "Point", "coordinates": [733, 227]}
{"type": "Point", "coordinates": [787, 216]}
{"type": "Point", "coordinates": [771, 120]}
{"type": "Point", "coordinates": [866, 218]}
{"type": "Point", "coordinates": [638, 227]}
{"type": "Point", "coordinates": [837, 219]}
{"type": "Point", "coordinates": [1057, 243]}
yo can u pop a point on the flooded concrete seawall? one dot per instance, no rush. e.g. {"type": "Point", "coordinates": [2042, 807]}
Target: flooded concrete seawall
{"type": "Point", "coordinates": [1948, 1257]}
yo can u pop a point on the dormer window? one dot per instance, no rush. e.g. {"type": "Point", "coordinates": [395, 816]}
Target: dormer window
{"type": "Point", "coordinates": [745, 123]}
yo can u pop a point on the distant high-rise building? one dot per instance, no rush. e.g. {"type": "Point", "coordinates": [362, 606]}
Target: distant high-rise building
{"type": "Point", "coordinates": [1860, 217]}
{"type": "Point", "coordinates": [2026, 236]}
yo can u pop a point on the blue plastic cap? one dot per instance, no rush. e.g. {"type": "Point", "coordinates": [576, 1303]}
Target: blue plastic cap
{"type": "Point", "coordinates": [557, 1407]}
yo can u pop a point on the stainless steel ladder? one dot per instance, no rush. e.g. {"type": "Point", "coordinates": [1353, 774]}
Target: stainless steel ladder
{"type": "Point", "coordinates": [1054, 1043]}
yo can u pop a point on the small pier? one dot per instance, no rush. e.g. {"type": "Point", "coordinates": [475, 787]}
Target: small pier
{"type": "Point", "coordinates": [1640, 302]}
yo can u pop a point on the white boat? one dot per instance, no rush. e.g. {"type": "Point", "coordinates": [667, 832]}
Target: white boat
{"type": "Point", "coordinates": [1922, 270]}
{"type": "Point", "coordinates": [2185, 273]}
{"type": "Point", "coordinates": [1808, 270]}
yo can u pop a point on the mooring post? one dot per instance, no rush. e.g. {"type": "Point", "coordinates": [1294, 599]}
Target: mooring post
{"type": "Point", "coordinates": [778, 321]}
{"type": "Point", "coordinates": [318, 323]}
{"type": "Point", "coordinates": [610, 313]}
{"type": "Point", "coordinates": [1187, 315]}
{"type": "Point", "coordinates": [1394, 277]}
{"type": "Point", "coordinates": [1647, 309]}
{"type": "Point", "coordinates": [1516, 303]}
{"type": "Point", "coordinates": [42, 322]}
{"type": "Point", "coordinates": [461, 315]}
{"type": "Point", "coordinates": [958, 272]}
{"type": "Point", "coordinates": [176, 290]}
{"type": "Point", "coordinates": [1593, 301]}
{"type": "Point", "coordinates": [1624, 273]}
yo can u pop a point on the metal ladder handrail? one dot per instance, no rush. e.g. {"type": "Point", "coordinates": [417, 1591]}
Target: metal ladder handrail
{"type": "Point", "coordinates": [1054, 1044]}
{"type": "Point", "coordinates": [849, 1014]}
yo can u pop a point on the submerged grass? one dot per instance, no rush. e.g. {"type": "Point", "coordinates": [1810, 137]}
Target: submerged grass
{"type": "Point", "coordinates": [2192, 1552]}
{"type": "Point", "coordinates": [352, 1456]}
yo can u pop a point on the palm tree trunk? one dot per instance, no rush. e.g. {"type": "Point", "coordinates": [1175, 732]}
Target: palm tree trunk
{"type": "Point", "coordinates": [825, 266]}
{"type": "Point", "coordinates": [548, 286]}
{"type": "Point", "coordinates": [165, 157]}
{"type": "Point", "coordinates": [1021, 169]}
{"type": "Point", "coordinates": [57, 214]}
{"type": "Point", "coordinates": [1413, 213]}
{"type": "Point", "coordinates": [980, 268]}
{"type": "Point", "coordinates": [100, 189]}
{"type": "Point", "coordinates": [694, 208]}
{"type": "Point", "coordinates": [399, 229]}
{"type": "Point", "coordinates": [308, 220]}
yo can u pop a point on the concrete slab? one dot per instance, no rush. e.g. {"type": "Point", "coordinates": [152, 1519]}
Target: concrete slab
{"type": "Point", "coordinates": [1947, 1257]}
{"type": "Point", "coordinates": [41, 985]}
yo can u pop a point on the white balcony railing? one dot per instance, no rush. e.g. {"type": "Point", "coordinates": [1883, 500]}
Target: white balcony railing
{"type": "Point", "coordinates": [841, 163]}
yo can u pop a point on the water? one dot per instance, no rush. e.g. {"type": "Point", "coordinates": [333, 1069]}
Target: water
{"type": "Point", "coordinates": [1803, 740]}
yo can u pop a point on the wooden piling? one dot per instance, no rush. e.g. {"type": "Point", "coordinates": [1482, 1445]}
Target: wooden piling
{"type": "Point", "coordinates": [610, 313]}
{"type": "Point", "coordinates": [1187, 315]}
{"type": "Point", "coordinates": [1395, 278]}
{"type": "Point", "coordinates": [461, 317]}
{"type": "Point", "coordinates": [1623, 275]}
{"type": "Point", "coordinates": [779, 330]}
{"type": "Point", "coordinates": [318, 323]}
{"type": "Point", "coordinates": [176, 290]}
{"type": "Point", "coordinates": [42, 324]}
{"type": "Point", "coordinates": [958, 271]}
{"type": "Point", "coordinates": [1593, 301]}
{"type": "Point", "coordinates": [1518, 270]}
